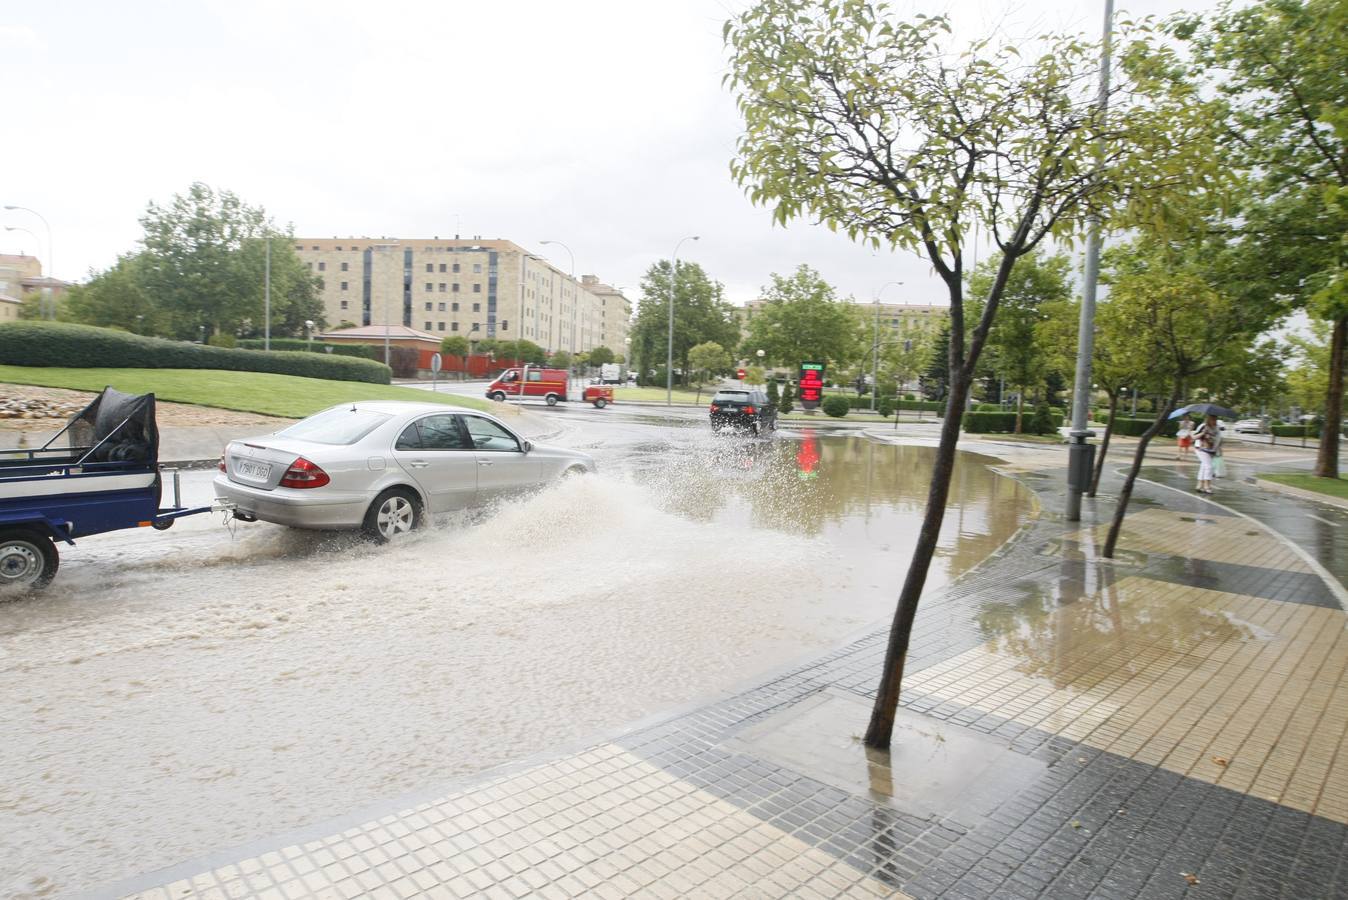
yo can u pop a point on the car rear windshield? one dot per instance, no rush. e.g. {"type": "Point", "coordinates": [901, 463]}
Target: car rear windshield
{"type": "Point", "coordinates": [726, 396]}
{"type": "Point", "coordinates": [343, 425]}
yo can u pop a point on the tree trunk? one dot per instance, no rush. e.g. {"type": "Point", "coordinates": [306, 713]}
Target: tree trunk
{"type": "Point", "coordinates": [1327, 460]}
{"type": "Point", "coordinates": [881, 729]}
{"type": "Point", "coordinates": [1020, 408]}
{"type": "Point", "coordinates": [1104, 444]}
{"type": "Point", "coordinates": [1117, 525]}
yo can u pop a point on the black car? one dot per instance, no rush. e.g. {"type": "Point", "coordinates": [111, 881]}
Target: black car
{"type": "Point", "coordinates": [742, 408]}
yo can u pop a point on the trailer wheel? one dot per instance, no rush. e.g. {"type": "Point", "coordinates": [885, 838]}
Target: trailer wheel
{"type": "Point", "coordinates": [28, 560]}
{"type": "Point", "coordinates": [600, 403]}
{"type": "Point", "coordinates": [162, 524]}
{"type": "Point", "coordinates": [551, 399]}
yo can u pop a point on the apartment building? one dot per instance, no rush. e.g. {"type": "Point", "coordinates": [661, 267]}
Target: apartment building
{"type": "Point", "coordinates": [894, 317]}
{"type": "Point", "coordinates": [476, 288]}
{"type": "Point", "coordinates": [20, 276]}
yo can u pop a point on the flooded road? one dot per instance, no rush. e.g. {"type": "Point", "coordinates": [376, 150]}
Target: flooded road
{"type": "Point", "coordinates": [175, 694]}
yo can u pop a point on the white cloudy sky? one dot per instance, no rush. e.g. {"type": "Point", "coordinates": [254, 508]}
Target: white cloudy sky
{"type": "Point", "coordinates": [599, 123]}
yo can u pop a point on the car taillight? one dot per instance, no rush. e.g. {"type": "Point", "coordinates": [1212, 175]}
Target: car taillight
{"type": "Point", "coordinates": [222, 464]}
{"type": "Point", "coordinates": [715, 408]}
{"type": "Point", "coordinates": [304, 474]}
{"type": "Point", "coordinates": [748, 409]}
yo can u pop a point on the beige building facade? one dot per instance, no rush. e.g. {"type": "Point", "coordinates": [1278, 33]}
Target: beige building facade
{"type": "Point", "coordinates": [21, 276]}
{"type": "Point", "coordinates": [893, 317]}
{"type": "Point", "coordinates": [478, 289]}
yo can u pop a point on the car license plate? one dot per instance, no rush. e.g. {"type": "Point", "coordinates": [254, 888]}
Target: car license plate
{"type": "Point", "coordinates": [253, 471]}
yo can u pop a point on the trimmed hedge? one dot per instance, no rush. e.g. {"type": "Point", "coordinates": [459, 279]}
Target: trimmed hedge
{"type": "Point", "coordinates": [84, 346]}
{"type": "Point", "coordinates": [999, 422]}
{"type": "Point", "coordinates": [1296, 431]}
{"type": "Point", "coordinates": [1130, 427]}
{"type": "Point", "coordinates": [923, 405]}
{"type": "Point", "coordinates": [360, 351]}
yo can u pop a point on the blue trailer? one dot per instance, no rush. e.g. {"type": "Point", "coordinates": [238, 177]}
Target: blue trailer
{"type": "Point", "coordinates": [100, 473]}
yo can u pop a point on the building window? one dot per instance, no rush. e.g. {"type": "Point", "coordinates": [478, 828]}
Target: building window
{"type": "Point", "coordinates": [429, 286]}
{"type": "Point", "coordinates": [505, 324]}
{"type": "Point", "coordinates": [442, 287]}
{"type": "Point", "coordinates": [477, 288]}
{"type": "Point", "coordinates": [454, 307]}
{"type": "Point", "coordinates": [442, 267]}
{"type": "Point", "coordinates": [453, 326]}
{"type": "Point", "coordinates": [442, 307]}
{"type": "Point", "coordinates": [344, 285]}
{"type": "Point", "coordinates": [428, 326]}
{"type": "Point", "coordinates": [456, 267]}
{"type": "Point", "coordinates": [313, 248]}
{"type": "Point", "coordinates": [477, 267]}
{"type": "Point", "coordinates": [311, 266]}
{"type": "Point", "coordinates": [343, 304]}
{"type": "Point", "coordinates": [440, 326]}
{"type": "Point", "coordinates": [454, 289]}
{"type": "Point", "coordinates": [477, 307]}
{"type": "Point", "coordinates": [477, 327]}
{"type": "Point", "coordinates": [428, 307]}
{"type": "Point", "coordinates": [299, 247]}
{"type": "Point", "coordinates": [344, 265]}
{"type": "Point", "coordinates": [322, 267]}
{"type": "Point", "coordinates": [430, 267]}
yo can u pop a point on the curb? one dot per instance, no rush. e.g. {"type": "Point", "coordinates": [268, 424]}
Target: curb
{"type": "Point", "coordinates": [1300, 493]}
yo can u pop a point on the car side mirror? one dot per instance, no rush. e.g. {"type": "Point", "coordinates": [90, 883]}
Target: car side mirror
{"type": "Point", "coordinates": [527, 445]}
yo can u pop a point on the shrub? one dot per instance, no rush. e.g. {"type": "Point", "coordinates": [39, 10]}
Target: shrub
{"type": "Point", "coordinates": [220, 339]}
{"type": "Point", "coordinates": [1131, 427]}
{"type": "Point", "coordinates": [988, 407]}
{"type": "Point", "coordinates": [404, 361]}
{"type": "Point", "coordinates": [836, 407]}
{"type": "Point", "coordinates": [909, 397]}
{"type": "Point", "coordinates": [885, 406]}
{"type": "Point", "coordinates": [923, 405]}
{"type": "Point", "coordinates": [1296, 431]}
{"type": "Point", "coordinates": [84, 346]}
{"type": "Point", "coordinates": [1046, 420]}
{"type": "Point", "coordinates": [360, 351]}
{"type": "Point", "coordinates": [774, 395]}
{"type": "Point", "coordinates": [788, 399]}
{"type": "Point", "coordinates": [977, 422]}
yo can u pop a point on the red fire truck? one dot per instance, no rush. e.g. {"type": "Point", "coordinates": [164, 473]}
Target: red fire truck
{"type": "Point", "coordinates": [549, 385]}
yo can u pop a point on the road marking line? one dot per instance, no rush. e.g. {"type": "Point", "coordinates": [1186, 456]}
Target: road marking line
{"type": "Point", "coordinates": [1318, 519]}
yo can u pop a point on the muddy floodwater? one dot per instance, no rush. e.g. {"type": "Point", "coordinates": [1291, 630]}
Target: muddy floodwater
{"type": "Point", "coordinates": [173, 695]}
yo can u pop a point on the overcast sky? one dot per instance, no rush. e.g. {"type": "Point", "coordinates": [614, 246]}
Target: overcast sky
{"type": "Point", "coordinates": [599, 123]}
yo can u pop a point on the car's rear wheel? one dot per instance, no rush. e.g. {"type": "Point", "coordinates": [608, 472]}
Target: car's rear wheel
{"type": "Point", "coordinates": [393, 513]}
{"type": "Point", "coordinates": [551, 399]}
{"type": "Point", "coordinates": [28, 560]}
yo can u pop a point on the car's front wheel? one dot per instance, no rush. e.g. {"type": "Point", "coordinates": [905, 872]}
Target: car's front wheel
{"type": "Point", "coordinates": [393, 513]}
{"type": "Point", "coordinates": [551, 399]}
{"type": "Point", "coordinates": [498, 396]}
{"type": "Point", "coordinates": [28, 560]}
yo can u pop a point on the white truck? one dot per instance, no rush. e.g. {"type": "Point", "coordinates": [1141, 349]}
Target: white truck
{"type": "Point", "coordinates": [611, 373]}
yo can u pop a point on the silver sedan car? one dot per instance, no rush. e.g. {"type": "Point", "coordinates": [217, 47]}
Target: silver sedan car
{"type": "Point", "coordinates": [382, 467]}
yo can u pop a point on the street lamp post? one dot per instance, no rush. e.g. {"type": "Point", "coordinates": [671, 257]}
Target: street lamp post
{"type": "Point", "coordinates": [309, 332]}
{"type": "Point", "coordinates": [875, 342]}
{"type": "Point", "coordinates": [266, 292]}
{"type": "Point", "coordinates": [574, 295]}
{"type": "Point", "coordinates": [669, 350]}
{"type": "Point", "coordinates": [51, 257]}
{"type": "Point", "coordinates": [1080, 453]}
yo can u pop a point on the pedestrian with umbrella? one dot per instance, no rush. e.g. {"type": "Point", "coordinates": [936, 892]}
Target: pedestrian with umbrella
{"type": "Point", "coordinates": [1207, 441]}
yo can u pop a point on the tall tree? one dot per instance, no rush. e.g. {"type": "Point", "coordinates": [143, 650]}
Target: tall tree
{"type": "Point", "coordinates": [803, 320]}
{"type": "Point", "coordinates": [1018, 356]}
{"type": "Point", "coordinates": [701, 314]}
{"type": "Point", "coordinates": [203, 262]}
{"type": "Point", "coordinates": [117, 298]}
{"type": "Point", "coordinates": [875, 126]}
{"type": "Point", "coordinates": [1279, 68]}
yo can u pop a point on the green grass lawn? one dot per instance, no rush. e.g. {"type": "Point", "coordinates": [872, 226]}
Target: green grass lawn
{"type": "Point", "coordinates": [1334, 487]}
{"type": "Point", "coordinates": [654, 394]}
{"type": "Point", "coordinates": [1019, 438]}
{"type": "Point", "coordinates": [257, 392]}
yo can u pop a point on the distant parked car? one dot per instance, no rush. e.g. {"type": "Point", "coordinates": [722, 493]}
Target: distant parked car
{"type": "Point", "coordinates": [382, 467]}
{"type": "Point", "coordinates": [1250, 426]}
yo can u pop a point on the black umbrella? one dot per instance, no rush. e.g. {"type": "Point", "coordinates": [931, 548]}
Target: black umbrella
{"type": "Point", "coordinates": [1204, 409]}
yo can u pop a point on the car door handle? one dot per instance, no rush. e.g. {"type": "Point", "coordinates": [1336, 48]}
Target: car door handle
{"type": "Point", "coordinates": [418, 464]}
{"type": "Point", "coordinates": [484, 462]}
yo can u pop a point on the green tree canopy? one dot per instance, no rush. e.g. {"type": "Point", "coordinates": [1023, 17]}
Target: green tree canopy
{"type": "Point", "coordinates": [701, 314]}
{"type": "Point", "coordinates": [803, 320]}
{"type": "Point", "coordinates": [600, 356]}
{"type": "Point", "coordinates": [707, 360]}
{"type": "Point", "coordinates": [454, 345]}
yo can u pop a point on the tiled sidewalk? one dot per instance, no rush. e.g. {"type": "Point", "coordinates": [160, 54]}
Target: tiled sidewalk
{"type": "Point", "coordinates": [1170, 723]}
